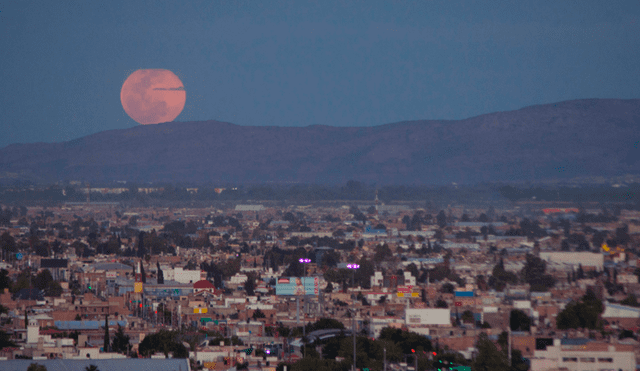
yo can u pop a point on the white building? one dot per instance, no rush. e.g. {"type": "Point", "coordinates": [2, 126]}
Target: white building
{"type": "Point", "coordinates": [583, 357]}
{"type": "Point", "coordinates": [409, 280]}
{"type": "Point", "coordinates": [238, 279]}
{"type": "Point", "coordinates": [377, 279]}
{"type": "Point", "coordinates": [182, 275]}
{"type": "Point", "coordinates": [586, 259]}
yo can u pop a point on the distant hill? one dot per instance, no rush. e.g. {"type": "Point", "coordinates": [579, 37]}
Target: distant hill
{"type": "Point", "coordinates": [593, 137]}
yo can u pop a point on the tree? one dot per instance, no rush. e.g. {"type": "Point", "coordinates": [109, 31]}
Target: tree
{"type": "Point", "coordinates": [582, 314]}
{"type": "Point", "coordinates": [325, 323]}
{"type": "Point", "coordinates": [383, 299]}
{"type": "Point", "coordinates": [8, 246]}
{"type": "Point", "coordinates": [250, 284]}
{"type": "Point", "coordinates": [258, 314]}
{"type": "Point", "coordinates": [500, 277]}
{"type": "Point", "coordinates": [120, 343]}
{"type": "Point", "coordinates": [105, 345]}
{"type": "Point", "coordinates": [5, 280]}
{"type": "Point", "coordinates": [163, 341]}
{"type": "Point", "coordinates": [36, 367]}
{"type": "Point", "coordinates": [447, 288]}
{"type": "Point", "coordinates": [489, 358]}
{"type": "Point", "coordinates": [519, 321]}
{"type": "Point", "coordinates": [630, 300]}
{"type": "Point", "coordinates": [329, 288]}
{"type": "Point", "coordinates": [5, 340]}
{"type": "Point", "coordinates": [467, 316]}
{"type": "Point", "coordinates": [160, 274]}
{"type": "Point", "coordinates": [533, 273]}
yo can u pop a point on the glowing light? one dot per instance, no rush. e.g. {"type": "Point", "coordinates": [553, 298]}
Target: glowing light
{"type": "Point", "coordinates": [353, 266]}
{"type": "Point", "coordinates": [303, 260]}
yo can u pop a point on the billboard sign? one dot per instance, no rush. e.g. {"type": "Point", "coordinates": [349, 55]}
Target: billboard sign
{"type": "Point", "coordinates": [428, 316]}
{"type": "Point", "coordinates": [294, 286]}
{"type": "Point", "coordinates": [407, 292]}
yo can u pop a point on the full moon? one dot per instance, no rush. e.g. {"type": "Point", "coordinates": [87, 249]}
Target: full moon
{"type": "Point", "coordinates": [151, 96]}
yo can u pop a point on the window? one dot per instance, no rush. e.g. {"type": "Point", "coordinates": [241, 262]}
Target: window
{"type": "Point", "coordinates": [587, 360]}
{"type": "Point", "coordinates": [569, 359]}
{"type": "Point", "coordinates": [605, 360]}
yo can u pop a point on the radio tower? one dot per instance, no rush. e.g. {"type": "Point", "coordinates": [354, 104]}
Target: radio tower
{"type": "Point", "coordinates": [88, 193]}
{"type": "Point", "coordinates": [377, 202]}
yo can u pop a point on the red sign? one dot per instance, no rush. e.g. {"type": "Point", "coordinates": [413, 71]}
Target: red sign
{"type": "Point", "coordinates": [458, 303]}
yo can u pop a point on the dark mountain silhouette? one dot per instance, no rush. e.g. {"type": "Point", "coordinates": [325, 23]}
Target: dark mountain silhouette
{"type": "Point", "coordinates": [594, 137]}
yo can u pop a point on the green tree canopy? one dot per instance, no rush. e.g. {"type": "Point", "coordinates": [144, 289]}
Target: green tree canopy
{"type": "Point", "coordinates": [519, 320]}
{"type": "Point", "coordinates": [5, 340]}
{"type": "Point", "coordinates": [45, 282]}
{"type": "Point", "coordinates": [489, 358]}
{"type": "Point", "coordinates": [36, 367]}
{"type": "Point", "coordinates": [533, 273]}
{"type": "Point", "coordinates": [120, 343]}
{"type": "Point", "coordinates": [5, 280]}
{"type": "Point", "coordinates": [581, 314]}
{"type": "Point", "coordinates": [325, 323]}
{"type": "Point", "coordinates": [467, 316]}
{"type": "Point", "coordinates": [406, 340]}
{"type": "Point", "coordinates": [165, 342]}
{"type": "Point", "coordinates": [500, 277]}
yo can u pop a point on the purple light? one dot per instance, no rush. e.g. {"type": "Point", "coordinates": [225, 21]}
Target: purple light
{"type": "Point", "coordinates": [302, 260]}
{"type": "Point", "coordinates": [267, 351]}
{"type": "Point", "coordinates": [353, 266]}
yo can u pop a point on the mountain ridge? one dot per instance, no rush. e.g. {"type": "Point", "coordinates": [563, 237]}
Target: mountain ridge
{"type": "Point", "coordinates": [592, 137]}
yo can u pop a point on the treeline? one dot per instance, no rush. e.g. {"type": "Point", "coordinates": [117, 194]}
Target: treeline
{"type": "Point", "coordinates": [352, 191]}
{"type": "Point", "coordinates": [596, 193]}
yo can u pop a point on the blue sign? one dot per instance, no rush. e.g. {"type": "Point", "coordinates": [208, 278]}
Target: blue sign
{"type": "Point", "coordinates": [19, 256]}
{"type": "Point", "coordinates": [468, 294]}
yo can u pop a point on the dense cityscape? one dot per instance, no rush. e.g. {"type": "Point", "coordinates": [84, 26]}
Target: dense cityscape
{"type": "Point", "coordinates": [275, 285]}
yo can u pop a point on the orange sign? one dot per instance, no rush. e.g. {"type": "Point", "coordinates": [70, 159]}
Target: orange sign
{"type": "Point", "coordinates": [137, 287]}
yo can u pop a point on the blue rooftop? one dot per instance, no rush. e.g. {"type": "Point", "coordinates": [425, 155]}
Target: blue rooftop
{"type": "Point", "coordinates": [581, 341]}
{"type": "Point", "coordinates": [85, 325]}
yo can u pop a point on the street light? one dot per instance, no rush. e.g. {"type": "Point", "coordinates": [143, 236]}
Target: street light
{"type": "Point", "coordinates": [304, 327]}
{"type": "Point", "coordinates": [353, 329]}
{"type": "Point", "coordinates": [354, 267]}
{"type": "Point", "coordinates": [353, 272]}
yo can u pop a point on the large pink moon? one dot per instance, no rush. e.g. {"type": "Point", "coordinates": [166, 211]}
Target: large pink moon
{"type": "Point", "coordinates": [151, 96]}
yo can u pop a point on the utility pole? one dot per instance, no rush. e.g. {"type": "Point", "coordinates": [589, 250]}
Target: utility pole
{"type": "Point", "coordinates": [354, 340]}
{"type": "Point", "coordinates": [509, 341]}
{"type": "Point", "coordinates": [384, 359]}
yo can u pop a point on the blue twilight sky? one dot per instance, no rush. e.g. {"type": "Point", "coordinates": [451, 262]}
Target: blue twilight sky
{"type": "Point", "coordinates": [299, 63]}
